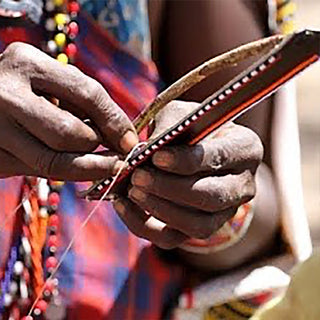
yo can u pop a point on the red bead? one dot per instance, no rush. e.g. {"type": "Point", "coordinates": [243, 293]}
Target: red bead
{"type": "Point", "coordinates": [41, 305]}
{"type": "Point", "coordinates": [54, 199]}
{"type": "Point", "coordinates": [73, 7]}
{"type": "Point", "coordinates": [71, 50]}
{"type": "Point", "coordinates": [53, 241]}
{"type": "Point", "coordinates": [27, 318]}
{"type": "Point", "coordinates": [54, 220]}
{"type": "Point", "coordinates": [73, 29]}
{"type": "Point", "coordinates": [51, 263]}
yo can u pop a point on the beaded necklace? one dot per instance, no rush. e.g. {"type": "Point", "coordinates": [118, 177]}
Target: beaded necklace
{"type": "Point", "coordinates": [32, 257]}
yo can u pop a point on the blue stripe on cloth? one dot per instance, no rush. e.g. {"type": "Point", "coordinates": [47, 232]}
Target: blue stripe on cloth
{"type": "Point", "coordinates": [66, 272]}
{"type": "Point", "coordinates": [68, 199]}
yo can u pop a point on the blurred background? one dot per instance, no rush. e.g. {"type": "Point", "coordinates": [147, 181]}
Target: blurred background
{"type": "Point", "coordinates": [308, 84]}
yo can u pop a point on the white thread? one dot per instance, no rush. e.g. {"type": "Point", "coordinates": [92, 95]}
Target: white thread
{"type": "Point", "coordinates": [84, 223]}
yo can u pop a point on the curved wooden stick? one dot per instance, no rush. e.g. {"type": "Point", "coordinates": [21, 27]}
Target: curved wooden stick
{"type": "Point", "coordinates": [223, 61]}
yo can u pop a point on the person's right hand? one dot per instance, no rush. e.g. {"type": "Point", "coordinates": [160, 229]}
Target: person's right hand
{"type": "Point", "coordinates": [39, 138]}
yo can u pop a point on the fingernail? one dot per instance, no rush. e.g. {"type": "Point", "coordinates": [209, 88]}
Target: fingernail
{"type": "Point", "coordinates": [128, 141]}
{"type": "Point", "coordinates": [119, 207]}
{"type": "Point", "coordinates": [119, 165]}
{"type": "Point", "coordinates": [163, 159]}
{"type": "Point", "coordinates": [141, 178]}
{"type": "Point", "coordinates": [137, 194]}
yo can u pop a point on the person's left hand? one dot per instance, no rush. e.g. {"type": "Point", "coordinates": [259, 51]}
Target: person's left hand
{"type": "Point", "coordinates": [192, 190]}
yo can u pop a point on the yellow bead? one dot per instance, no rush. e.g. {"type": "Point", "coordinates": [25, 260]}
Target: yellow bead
{"type": "Point", "coordinates": [63, 58]}
{"type": "Point", "coordinates": [58, 3]}
{"type": "Point", "coordinates": [60, 19]}
{"type": "Point", "coordinates": [60, 39]}
{"type": "Point", "coordinates": [57, 183]}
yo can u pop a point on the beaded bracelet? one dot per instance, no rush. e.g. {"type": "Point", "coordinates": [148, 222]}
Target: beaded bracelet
{"type": "Point", "coordinates": [229, 234]}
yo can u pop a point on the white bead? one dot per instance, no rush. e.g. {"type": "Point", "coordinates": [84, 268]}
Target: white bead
{"type": "Point", "coordinates": [18, 268]}
{"type": "Point", "coordinates": [43, 189]}
{"type": "Point", "coordinates": [43, 212]}
{"type": "Point", "coordinates": [37, 311]}
{"type": "Point", "coordinates": [49, 6]}
{"type": "Point", "coordinates": [23, 290]}
{"type": "Point", "coordinates": [50, 25]}
{"type": "Point", "coordinates": [27, 209]}
{"type": "Point", "coordinates": [13, 287]}
{"type": "Point", "coordinates": [236, 85]}
{"type": "Point", "coordinates": [271, 59]}
{"type": "Point", "coordinates": [7, 299]}
{"type": "Point", "coordinates": [180, 128]}
{"type": "Point", "coordinates": [52, 46]}
{"type": "Point", "coordinates": [253, 73]}
{"type": "Point", "coordinates": [262, 67]}
{"type": "Point", "coordinates": [245, 79]}
{"type": "Point", "coordinates": [26, 246]}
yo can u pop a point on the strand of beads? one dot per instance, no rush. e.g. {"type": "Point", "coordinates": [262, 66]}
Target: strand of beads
{"type": "Point", "coordinates": [24, 276]}
{"type": "Point", "coordinates": [62, 29]}
{"type": "Point", "coordinates": [49, 199]}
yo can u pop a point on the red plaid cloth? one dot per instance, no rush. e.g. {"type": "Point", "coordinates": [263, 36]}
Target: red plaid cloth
{"type": "Point", "coordinates": [109, 273]}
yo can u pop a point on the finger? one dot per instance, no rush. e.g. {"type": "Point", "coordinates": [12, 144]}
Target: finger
{"type": "Point", "coordinates": [11, 166]}
{"type": "Point", "coordinates": [59, 165]}
{"type": "Point", "coordinates": [57, 128]}
{"type": "Point", "coordinates": [68, 83]}
{"type": "Point", "coordinates": [205, 193]}
{"type": "Point", "coordinates": [194, 223]}
{"type": "Point", "coordinates": [146, 226]}
{"type": "Point", "coordinates": [232, 147]}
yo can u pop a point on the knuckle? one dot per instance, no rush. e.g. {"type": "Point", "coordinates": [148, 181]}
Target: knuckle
{"type": "Point", "coordinates": [212, 195]}
{"type": "Point", "coordinates": [189, 159]}
{"type": "Point", "coordinates": [92, 90]}
{"type": "Point", "coordinates": [257, 149]}
{"type": "Point", "coordinates": [15, 50]}
{"type": "Point", "coordinates": [217, 158]}
{"type": "Point", "coordinates": [45, 162]}
{"type": "Point", "coordinates": [252, 146]}
{"type": "Point", "coordinates": [20, 55]}
{"type": "Point", "coordinates": [203, 229]}
{"type": "Point", "coordinates": [59, 143]}
{"type": "Point", "coordinates": [65, 135]}
{"type": "Point", "coordinates": [249, 187]}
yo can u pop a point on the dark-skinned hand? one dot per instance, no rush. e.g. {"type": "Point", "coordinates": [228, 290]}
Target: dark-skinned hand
{"type": "Point", "coordinates": [39, 138]}
{"type": "Point", "coordinates": [191, 191]}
